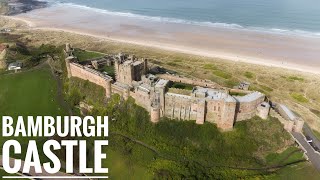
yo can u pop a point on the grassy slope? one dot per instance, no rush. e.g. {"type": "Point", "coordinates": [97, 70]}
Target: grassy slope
{"type": "Point", "coordinates": [185, 141]}
{"type": "Point", "coordinates": [29, 93]}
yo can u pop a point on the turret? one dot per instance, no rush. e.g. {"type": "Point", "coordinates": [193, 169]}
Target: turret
{"type": "Point", "coordinates": [263, 110]}
{"type": "Point", "coordinates": [69, 60]}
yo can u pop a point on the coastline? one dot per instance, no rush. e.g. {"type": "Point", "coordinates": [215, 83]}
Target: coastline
{"type": "Point", "coordinates": [284, 51]}
{"type": "Point", "coordinates": [13, 7]}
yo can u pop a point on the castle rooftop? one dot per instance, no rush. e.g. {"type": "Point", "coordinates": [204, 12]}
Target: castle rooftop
{"type": "Point", "coordinates": [249, 97]}
{"type": "Point", "coordinates": [162, 83]}
{"type": "Point", "coordinates": [288, 112]}
{"type": "Point", "coordinates": [214, 94]}
{"type": "Point", "coordinates": [178, 95]}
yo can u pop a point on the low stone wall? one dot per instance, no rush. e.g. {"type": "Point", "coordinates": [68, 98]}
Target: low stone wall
{"type": "Point", "coordinates": [194, 82]}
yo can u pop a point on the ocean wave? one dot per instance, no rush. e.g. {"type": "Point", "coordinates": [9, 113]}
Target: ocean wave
{"type": "Point", "coordinates": [188, 22]}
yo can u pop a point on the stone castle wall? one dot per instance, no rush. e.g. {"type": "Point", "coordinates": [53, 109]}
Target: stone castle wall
{"type": "Point", "coordinates": [142, 98]}
{"type": "Point", "coordinates": [180, 107]}
{"type": "Point", "coordinates": [194, 82]}
{"type": "Point", "coordinates": [247, 110]}
{"type": "Point", "coordinates": [93, 76]}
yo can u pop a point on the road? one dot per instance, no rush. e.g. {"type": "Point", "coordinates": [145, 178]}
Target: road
{"type": "Point", "coordinates": [312, 155]}
{"type": "Point", "coordinates": [308, 132]}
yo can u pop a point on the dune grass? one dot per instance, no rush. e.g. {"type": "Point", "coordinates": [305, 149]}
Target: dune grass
{"type": "Point", "coordinates": [299, 97]}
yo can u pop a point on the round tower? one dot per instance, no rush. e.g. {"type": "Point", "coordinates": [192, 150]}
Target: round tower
{"type": "Point", "coordinates": [68, 61]}
{"type": "Point", "coordinates": [68, 47]}
{"type": "Point", "coordinates": [263, 110]}
{"type": "Point", "coordinates": [289, 125]}
{"type": "Point", "coordinates": [108, 88]}
{"type": "Point", "coordinates": [298, 125]}
{"type": "Point", "coordinates": [155, 114]}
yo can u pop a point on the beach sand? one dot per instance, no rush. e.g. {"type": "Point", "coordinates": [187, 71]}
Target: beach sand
{"type": "Point", "coordinates": [288, 51]}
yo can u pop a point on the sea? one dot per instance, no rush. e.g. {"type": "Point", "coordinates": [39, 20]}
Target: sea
{"type": "Point", "coordinates": [278, 16]}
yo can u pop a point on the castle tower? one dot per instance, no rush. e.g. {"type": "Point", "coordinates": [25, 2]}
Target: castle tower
{"type": "Point", "coordinates": [289, 125]}
{"type": "Point", "coordinates": [298, 125]}
{"type": "Point", "coordinates": [146, 69]}
{"type": "Point", "coordinates": [69, 60]}
{"type": "Point", "coordinates": [263, 110]}
{"type": "Point", "coordinates": [155, 108]}
{"type": "Point", "coordinates": [201, 112]}
{"type": "Point", "coordinates": [227, 119]}
{"type": "Point", "coordinates": [108, 88]}
{"type": "Point", "coordinates": [68, 47]}
{"type": "Point", "coordinates": [155, 114]}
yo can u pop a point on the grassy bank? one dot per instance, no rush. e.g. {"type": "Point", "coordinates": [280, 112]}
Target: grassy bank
{"type": "Point", "coordinates": [29, 93]}
{"type": "Point", "coordinates": [173, 149]}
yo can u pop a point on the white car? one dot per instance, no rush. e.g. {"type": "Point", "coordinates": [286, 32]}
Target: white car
{"type": "Point", "coordinates": [309, 141]}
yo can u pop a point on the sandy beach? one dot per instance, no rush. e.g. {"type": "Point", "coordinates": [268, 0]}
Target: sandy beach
{"type": "Point", "coordinates": [288, 51]}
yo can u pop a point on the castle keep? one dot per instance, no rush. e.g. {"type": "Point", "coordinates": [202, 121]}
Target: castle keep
{"type": "Point", "coordinates": [207, 101]}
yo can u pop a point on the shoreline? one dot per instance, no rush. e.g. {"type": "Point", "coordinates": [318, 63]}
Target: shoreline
{"type": "Point", "coordinates": [14, 7]}
{"type": "Point", "coordinates": [138, 34]}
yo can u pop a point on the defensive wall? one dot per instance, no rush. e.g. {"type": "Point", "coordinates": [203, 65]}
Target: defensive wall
{"type": "Point", "coordinates": [192, 81]}
{"type": "Point", "coordinates": [77, 70]}
{"type": "Point", "coordinates": [204, 103]}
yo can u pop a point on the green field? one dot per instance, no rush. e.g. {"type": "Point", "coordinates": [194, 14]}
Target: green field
{"type": "Point", "coordinates": [83, 55]}
{"type": "Point", "coordinates": [29, 93]}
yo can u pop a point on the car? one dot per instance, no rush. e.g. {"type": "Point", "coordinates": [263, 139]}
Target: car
{"type": "Point", "coordinates": [309, 139]}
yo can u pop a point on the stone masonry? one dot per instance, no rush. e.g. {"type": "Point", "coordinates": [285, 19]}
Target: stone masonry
{"type": "Point", "coordinates": [209, 103]}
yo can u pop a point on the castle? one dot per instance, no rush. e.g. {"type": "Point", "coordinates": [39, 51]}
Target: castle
{"type": "Point", "coordinates": [206, 102]}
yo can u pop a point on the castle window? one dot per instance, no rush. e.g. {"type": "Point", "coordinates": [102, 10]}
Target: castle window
{"type": "Point", "coordinates": [218, 108]}
{"type": "Point", "coordinates": [214, 108]}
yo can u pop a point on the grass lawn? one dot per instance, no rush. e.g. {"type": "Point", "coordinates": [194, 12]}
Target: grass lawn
{"type": "Point", "coordinates": [85, 55]}
{"type": "Point", "coordinates": [29, 93]}
{"type": "Point", "coordinates": [123, 167]}
{"type": "Point", "coordinates": [110, 70]}
{"type": "Point", "coordinates": [179, 85]}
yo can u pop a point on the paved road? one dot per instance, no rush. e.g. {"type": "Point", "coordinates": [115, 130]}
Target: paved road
{"type": "Point", "coordinates": [308, 132]}
{"type": "Point", "coordinates": [312, 155]}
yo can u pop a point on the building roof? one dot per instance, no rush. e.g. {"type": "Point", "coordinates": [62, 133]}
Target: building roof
{"type": "Point", "coordinates": [249, 97]}
{"type": "Point", "coordinates": [214, 94]}
{"type": "Point", "coordinates": [161, 83]}
{"type": "Point", "coordinates": [288, 112]}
